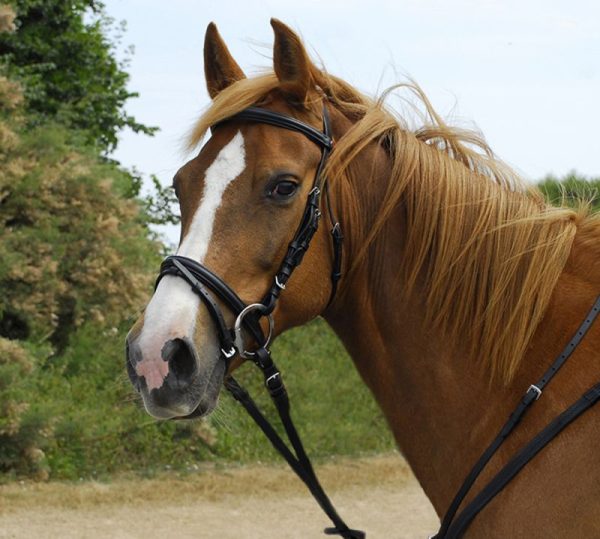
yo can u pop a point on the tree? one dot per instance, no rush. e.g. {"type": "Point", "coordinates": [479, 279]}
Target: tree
{"type": "Point", "coordinates": [63, 55]}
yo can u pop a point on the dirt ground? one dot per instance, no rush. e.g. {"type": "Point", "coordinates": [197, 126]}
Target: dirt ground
{"type": "Point", "coordinates": [377, 494]}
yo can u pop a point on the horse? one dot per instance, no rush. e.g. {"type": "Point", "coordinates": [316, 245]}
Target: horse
{"type": "Point", "coordinates": [459, 282]}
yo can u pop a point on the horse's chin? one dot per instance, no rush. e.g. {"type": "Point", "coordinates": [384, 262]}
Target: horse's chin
{"type": "Point", "coordinates": [202, 410]}
{"type": "Point", "coordinates": [207, 404]}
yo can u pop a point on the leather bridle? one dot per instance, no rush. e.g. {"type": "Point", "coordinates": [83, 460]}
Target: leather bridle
{"type": "Point", "coordinates": [205, 283]}
{"type": "Point", "coordinates": [200, 278]}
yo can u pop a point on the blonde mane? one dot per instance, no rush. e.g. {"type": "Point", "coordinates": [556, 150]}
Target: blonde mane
{"type": "Point", "coordinates": [484, 246]}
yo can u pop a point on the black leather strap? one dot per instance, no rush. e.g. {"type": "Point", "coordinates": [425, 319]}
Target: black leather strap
{"type": "Point", "coordinates": [462, 522]}
{"type": "Point", "coordinates": [532, 394]}
{"type": "Point", "coordinates": [296, 248]}
{"type": "Point", "coordinates": [206, 277]}
{"type": "Point", "coordinates": [312, 213]}
{"type": "Point", "coordinates": [338, 242]}
{"type": "Point", "coordinates": [172, 266]}
{"type": "Point", "coordinates": [566, 353]}
{"type": "Point", "coordinates": [297, 459]}
{"type": "Point", "coordinates": [265, 116]}
{"type": "Point", "coordinates": [336, 271]}
{"type": "Point", "coordinates": [225, 337]}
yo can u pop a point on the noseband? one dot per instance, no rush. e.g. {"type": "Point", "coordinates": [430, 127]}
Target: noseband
{"type": "Point", "coordinates": [205, 283]}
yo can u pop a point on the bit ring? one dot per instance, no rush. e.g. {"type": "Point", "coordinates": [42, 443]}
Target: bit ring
{"type": "Point", "coordinates": [237, 328]}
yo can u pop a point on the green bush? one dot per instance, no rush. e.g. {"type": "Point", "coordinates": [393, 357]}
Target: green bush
{"type": "Point", "coordinates": [25, 427]}
{"type": "Point", "coordinates": [77, 258]}
{"type": "Point", "coordinates": [572, 190]}
{"type": "Point", "coordinates": [74, 247]}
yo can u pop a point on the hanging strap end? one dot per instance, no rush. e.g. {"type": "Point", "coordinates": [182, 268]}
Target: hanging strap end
{"type": "Point", "coordinates": [346, 533]}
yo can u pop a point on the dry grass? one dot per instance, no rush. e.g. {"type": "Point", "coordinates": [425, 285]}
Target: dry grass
{"type": "Point", "coordinates": [378, 494]}
{"type": "Point", "coordinates": [209, 485]}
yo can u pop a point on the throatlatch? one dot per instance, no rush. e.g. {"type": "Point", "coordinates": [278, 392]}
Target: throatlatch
{"type": "Point", "coordinates": [205, 283]}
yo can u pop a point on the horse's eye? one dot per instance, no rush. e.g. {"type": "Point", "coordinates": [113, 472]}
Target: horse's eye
{"type": "Point", "coordinates": [283, 190]}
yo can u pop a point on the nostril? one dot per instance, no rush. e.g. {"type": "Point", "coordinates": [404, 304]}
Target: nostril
{"type": "Point", "coordinates": [181, 359]}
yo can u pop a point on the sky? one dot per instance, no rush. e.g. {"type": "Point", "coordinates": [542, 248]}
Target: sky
{"type": "Point", "coordinates": [526, 73]}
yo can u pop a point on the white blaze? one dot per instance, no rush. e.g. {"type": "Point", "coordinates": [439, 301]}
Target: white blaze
{"type": "Point", "coordinates": [228, 165]}
{"type": "Point", "coordinates": [172, 310]}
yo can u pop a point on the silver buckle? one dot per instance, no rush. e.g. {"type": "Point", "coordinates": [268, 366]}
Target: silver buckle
{"type": "Point", "coordinates": [278, 283]}
{"type": "Point", "coordinates": [272, 377]}
{"type": "Point", "coordinates": [229, 354]}
{"type": "Point", "coordinates": [536, 389]}
{"type": "Point", "coordinates": [237, 328]}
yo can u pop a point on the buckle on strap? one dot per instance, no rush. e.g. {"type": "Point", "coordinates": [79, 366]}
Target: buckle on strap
{"type": "Point", "coordinates": [273, 378]}
{"type": "Point", "coordinates": [278, 283]}
{"type": "Point", "coordinates": [228, 354]}
{"type": "Point", "coordinates": [538, 391]}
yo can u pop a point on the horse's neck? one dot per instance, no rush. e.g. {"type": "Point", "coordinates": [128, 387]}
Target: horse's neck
{"type": "Point", "coordinates": [439, 403]}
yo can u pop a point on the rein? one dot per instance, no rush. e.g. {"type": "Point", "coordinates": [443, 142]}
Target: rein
{"type": "Point", "coordinates": [205, 283]}
{"type": "Point", "coordinates": [453, 528]}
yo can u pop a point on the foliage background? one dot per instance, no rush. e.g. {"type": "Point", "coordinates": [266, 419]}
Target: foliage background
{"type": "Point", "coordinates": [63, 53]}
{"type": "Point", "coordinates": [78, 258]}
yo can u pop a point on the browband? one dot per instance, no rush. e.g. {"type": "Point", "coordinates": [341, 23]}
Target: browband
{"type": "Point", "coordinates": [264, 116]}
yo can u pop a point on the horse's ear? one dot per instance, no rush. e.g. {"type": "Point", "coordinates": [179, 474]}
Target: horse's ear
{"type": "Point", "coordinates": [291, 62]}
{"type": "Point", "coordinates": [220, 68]}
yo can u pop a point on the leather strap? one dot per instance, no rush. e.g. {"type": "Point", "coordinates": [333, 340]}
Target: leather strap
{"type": "Point", "coordinates": [336, 271]}
{"type": "Point", "coordinates": [532, 394]}
{"type": "Point", "coordinates": [296, 458]}
{"type": "Point", "coordinates": [338, 241]}
{"type": "Point", "coordinates": [265, 116]}
{"type": "Point", "coordinates": [172, 266]}
{"type": "Point", "coordinates": [516, 464]}
{"type": "Point", "coordinates": [213, 308]}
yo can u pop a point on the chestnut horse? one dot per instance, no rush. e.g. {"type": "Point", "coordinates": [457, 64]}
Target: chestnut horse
{"type": "Point", "coordinates": [460, 284]}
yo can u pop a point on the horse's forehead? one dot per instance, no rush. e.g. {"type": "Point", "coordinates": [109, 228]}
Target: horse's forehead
{"type": "Point", "coordinates": [215, 148]}
{"type": "Point", "coordinates": [263, 145]}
